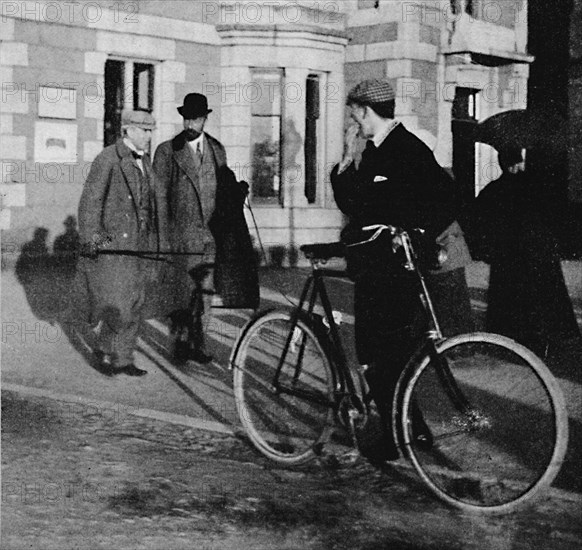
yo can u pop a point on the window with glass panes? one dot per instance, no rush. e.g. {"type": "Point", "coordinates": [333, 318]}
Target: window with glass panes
{"type": "Point", "coordinates": [265, 97]}
{"type": "Point", "coordinates": [128, 85]}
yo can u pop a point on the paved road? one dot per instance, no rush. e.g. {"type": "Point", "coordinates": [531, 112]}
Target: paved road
{"type": "Point", "coordinates": [84, 480]}
{"type": "Point", "coordinates": [38, 355]}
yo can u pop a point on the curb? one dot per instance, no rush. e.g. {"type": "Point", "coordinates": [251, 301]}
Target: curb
{"type": "Point", "coordinates": [97, 405]}
{"type": "Point", "coordinates": [211, 426]}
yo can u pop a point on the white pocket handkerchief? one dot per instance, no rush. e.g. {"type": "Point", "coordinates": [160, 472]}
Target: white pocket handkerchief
{"type": "Point", "coordinates": [379, 178]}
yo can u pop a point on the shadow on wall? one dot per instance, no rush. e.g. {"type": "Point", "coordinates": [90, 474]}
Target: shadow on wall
{"type": "Point", "coordinates": [45, 277]}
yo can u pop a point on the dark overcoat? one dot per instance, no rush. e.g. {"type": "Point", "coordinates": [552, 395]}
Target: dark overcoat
{"type": "Point", "coordinates": [401, 184]}
{"type": "Point", "coordinates": [109, 215]}
{"type": "Point", "coordinates": [236, 270]}
{"type": "Point", "coordinates": [527, 298]}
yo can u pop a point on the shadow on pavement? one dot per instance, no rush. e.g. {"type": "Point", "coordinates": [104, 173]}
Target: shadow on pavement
{"type": "Point", "coordinates": [48, 283]}
{"type": "Point", "coordinates": [161, 346]}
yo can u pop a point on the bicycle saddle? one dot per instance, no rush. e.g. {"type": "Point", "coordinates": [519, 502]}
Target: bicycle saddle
{"type": "Point", "coordinates": [324, 251]}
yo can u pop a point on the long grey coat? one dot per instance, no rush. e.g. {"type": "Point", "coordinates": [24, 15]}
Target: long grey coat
{"type": "Point", "coordinates": [115, 285]}
{"type": "Point", "coordinates": [236, 275]}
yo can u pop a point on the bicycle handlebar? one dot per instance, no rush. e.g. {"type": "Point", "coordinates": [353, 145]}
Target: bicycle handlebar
{"type": "Point", "coordinates": [401, 239]}
{"type": "Point", "coordinates": [380, 228]}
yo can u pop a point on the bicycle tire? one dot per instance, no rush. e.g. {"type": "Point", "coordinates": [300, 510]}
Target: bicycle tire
{"type": "Point", "coordinates": [286, 427]}
{"type": "Point", "coordinates": [511, 445]}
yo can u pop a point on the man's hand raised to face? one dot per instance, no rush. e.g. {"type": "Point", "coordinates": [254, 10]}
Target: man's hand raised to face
{"type": "Point", "coordinates": [350, 146]}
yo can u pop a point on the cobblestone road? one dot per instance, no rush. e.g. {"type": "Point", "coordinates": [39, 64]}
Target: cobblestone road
{"type": "Point", "coordinates": [76, 478]}
{"type": "Point", "coordinates": [77, 474]}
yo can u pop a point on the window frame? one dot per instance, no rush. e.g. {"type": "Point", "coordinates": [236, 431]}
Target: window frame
{"type": "Point", "coordinates": [129, 94]}
{"type": "Point", "coordinates": [279, 198]}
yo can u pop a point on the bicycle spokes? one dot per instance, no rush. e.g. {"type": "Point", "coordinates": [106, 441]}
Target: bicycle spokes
{"type": "Point", "coordinates": [495, 419]}
{"type": "Point", "coordinates": [285, 398]}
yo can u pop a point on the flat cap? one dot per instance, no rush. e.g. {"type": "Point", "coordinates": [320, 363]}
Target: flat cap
{"type": "Point", "coordinates": [140, 119]}
{"type": "Point", "coordinates": [371, 91]}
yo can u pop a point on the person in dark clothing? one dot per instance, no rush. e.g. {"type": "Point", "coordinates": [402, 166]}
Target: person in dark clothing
{"type": "Point", "coordinates": [527, 296]}
{"type": "Point", "coordinates": [396, 182]}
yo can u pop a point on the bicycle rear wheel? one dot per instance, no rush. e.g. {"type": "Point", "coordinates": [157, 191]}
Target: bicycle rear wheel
{"type": "Point", "coordinates": [507, 446]}
{"type": "Point", "coordinates": [290, 424]}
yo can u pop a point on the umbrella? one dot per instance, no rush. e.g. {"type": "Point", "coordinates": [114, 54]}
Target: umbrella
{"type": "Point", "coordinates": [523, 128]}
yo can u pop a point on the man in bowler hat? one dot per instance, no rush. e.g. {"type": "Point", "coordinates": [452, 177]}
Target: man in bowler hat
{"type": "Point", "coordinates": [204, 205]}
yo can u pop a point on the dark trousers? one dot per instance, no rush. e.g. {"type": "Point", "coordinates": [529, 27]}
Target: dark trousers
{"type": "Point", "coordinates": [191, 325]}
{"type": "Point", "coordinates": [203, 277]}
{"type": "Point", "coordinates": [450, 297]}
{"type": "Point", "coordinates": [388, 325]}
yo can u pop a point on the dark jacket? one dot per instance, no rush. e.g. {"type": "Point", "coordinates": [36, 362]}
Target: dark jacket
{"type": "Point", "coordinates": [401, 184]}
{"type": "Point", "coordinates": [236, 274]}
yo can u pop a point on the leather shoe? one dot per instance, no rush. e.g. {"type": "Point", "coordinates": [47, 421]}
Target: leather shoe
{"type": "Point", "coordinates": [375, 442]}
{"type": "Point", "coordinates": [102, 357]}
{"type": "Point", "coordinates": [181, 351]}
{"type": "Point", "coordinates": [380, 452]}
{"type": "Point", "coordinates": [200, 357]}
{"type": "Point", "coordinates": [104, 363]}
{"type": "Point", "coordinates": [132, 370]}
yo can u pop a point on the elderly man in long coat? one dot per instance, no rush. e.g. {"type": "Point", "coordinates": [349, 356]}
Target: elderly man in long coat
{"type": "Point", "coordinates": [207, 229]}
{"type": "Point", "coordinates": [119, 217]}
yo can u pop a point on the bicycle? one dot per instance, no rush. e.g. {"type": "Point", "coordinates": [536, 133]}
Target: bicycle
{"type": "Point", "coordinates": [496, 417]}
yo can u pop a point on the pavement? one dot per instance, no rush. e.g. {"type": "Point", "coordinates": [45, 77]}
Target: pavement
{"type": "Point", "coordinates": [91, 461]}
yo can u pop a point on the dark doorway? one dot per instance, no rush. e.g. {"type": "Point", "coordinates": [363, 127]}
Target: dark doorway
{"type": "Point", "coordinates": [137, 94]}
{"type": "Point", "coordinates": [114, 98]}
{"type": "Point", "coordinates": [464, 122]}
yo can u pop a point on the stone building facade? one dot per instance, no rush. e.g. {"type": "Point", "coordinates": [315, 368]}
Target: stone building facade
{"type": "Point", "coordinates": [276, 75]}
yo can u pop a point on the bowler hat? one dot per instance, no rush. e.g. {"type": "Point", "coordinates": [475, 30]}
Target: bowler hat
{"type": "Point", "coordinates": [140, 119]}
{"type": "Point", "coordinates": [195, 105]}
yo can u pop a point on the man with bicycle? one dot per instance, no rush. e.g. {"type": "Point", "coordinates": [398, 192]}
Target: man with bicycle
{"type": "Point", "coordinates": [397, 181]}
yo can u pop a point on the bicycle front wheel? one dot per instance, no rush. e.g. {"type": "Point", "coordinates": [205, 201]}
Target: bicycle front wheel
{"type": "Point", "coordinates": [288, 414]}
{"type": "Point", "coordinates": [501, 440]}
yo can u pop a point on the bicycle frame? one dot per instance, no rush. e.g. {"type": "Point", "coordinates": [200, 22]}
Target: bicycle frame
{"type": "Point", "coordinates": [313, 288]}
{"type": "Point", "coordinates": [434, 332]}
{"type": "Point", "coordinates": [289, 400]}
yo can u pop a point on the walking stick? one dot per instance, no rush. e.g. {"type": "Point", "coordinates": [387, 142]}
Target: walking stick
{"type": "Point", "coordinates": [144, 254]}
